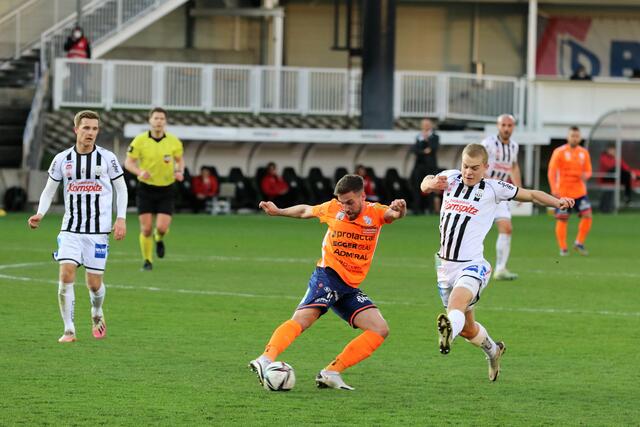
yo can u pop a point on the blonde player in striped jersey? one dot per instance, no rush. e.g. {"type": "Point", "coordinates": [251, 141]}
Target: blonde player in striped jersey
{"type": "Point", "coordinates": [468, 208]}
{"type": "Point", "coordinates": [89, 174]}
{"type": "Point", "coordinates": [503, 165]}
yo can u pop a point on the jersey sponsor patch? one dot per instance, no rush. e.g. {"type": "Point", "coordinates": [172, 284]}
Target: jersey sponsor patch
{"type": "Point", "coordinates": [101, 251]}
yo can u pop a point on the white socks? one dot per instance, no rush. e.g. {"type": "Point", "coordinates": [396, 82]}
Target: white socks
{"type": "Point", "coordinates": [484, 341]}
{"type": "Point", "coordinates": [503, 247]}
{"type": "Point", "coordinates": [97, 298]}
{"type": "Point", "coordinates": [456, 317]}
{"type": "Point", "coordinates": [67, 301]}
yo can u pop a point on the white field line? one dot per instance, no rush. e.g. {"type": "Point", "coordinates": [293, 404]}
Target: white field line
{"type": "Point", "coordinates": [289, 297]}
{"type": "Point", "coordinates": [417, 263]}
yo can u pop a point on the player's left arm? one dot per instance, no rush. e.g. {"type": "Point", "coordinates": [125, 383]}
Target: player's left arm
{"type": "Point", "coordinates": [516, 175]}
{"type": "Point", "coordinates": [397, 209]}
{"type": "Point", "coordinates": [542, 198]}
{"type": "Point", "coordinates": [179, 168]}
{"type": "Point", "coordinates": [587, 167]}
{"type": "Point", "coordinates": [122, 197]}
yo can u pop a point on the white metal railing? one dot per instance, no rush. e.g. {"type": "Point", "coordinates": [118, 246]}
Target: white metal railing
{"type": "Point", "coordinates": [266, 89]}
{"type": "Point", "coordinates": [101, 20]}
{"type": "Point", "coordinates": [33, 121]}
{"type": "Point", "coordinates": [21, 28]}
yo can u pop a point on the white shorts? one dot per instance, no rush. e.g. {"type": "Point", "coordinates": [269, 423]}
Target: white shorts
{"type": "Point", "coordinates": [450, 272]}
{"type": "Point", "coordinates": [503, 211]}
{"type": "Point", "coordinates": [90, 250]}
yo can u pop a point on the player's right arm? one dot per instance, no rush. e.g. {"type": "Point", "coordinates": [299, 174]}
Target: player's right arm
{"type": "Point", "coordinates": [433, 183]}
{"type": "Point", "coordinates": [45, 202]}
{"type": "Point", "coordinates": [131, 162]}
{"type": "Point", "coordinates": [297, 211]}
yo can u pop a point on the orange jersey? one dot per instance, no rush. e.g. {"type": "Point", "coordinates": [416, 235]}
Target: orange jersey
{"type": "Point", "coordinates": [569, 169]}
{"type": "Point", "coordinates": [348, 246]}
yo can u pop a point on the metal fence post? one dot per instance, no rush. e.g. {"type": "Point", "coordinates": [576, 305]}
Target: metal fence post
{"type": "Point", "coordinates": [207, 88]}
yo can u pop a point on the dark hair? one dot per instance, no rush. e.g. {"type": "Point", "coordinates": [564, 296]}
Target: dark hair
{"type": "Point", "coordinates": [349, 183]}
{"type": "Point", "coordinates": [159, 110]}
{"type": "Point", "coordinates": [574, 128]}
{"type": "Point", "coordinates": [271, 164]}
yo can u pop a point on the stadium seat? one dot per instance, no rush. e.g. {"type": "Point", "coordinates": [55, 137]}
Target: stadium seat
{"type": "Point", "coordinates": [381, 190]}
{"type": "Point", "coordinates": [396, 187]}
{"type": "Point", "coordinates": [320, 186]}
{"type": "Point", "coordinates": [339, 173]}
{"type": "Point", "coordinates": [297, 186]}
{"type": "Point", "coordinates": [246, 196]}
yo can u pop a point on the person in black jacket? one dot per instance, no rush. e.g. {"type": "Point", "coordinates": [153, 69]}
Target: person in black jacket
{"type": "Point", "coordinates": [426, 152]}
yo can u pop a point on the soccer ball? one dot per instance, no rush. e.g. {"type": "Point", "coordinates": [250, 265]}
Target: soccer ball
{"type": "Point", "coordinates": [279, 376]}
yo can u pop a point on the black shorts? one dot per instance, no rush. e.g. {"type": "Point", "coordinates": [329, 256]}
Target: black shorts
{"type": "Point", "coordinates": [154, 199]}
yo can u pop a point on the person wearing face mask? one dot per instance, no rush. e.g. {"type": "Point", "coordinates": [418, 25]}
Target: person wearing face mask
{"type": "Point", "coordinates": [77, 47]}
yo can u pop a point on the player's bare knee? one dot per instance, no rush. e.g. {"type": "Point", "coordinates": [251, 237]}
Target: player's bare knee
{"type": "Point", "coordinates": [306, 317]}
{"type": "Point", "coordinates": [146, 231]}
{"type": "Point", "coordinates": [382, 330]}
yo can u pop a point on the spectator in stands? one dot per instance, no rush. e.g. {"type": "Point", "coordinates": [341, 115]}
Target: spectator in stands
{"type": "Point", "coordinates": [580, 73]}
{"type": "Point", "coordinates": [369, 184]}
{"type": "Point", "coordinates": [426, 151]}
{"type": "Point", "coordinates": [77, 46]}
{"type": "Point", "coordinates": [627, 174]}
{"type": "Point", "coordinates": [274, 187]}
{"type": "Point", "coordinates": [204, 188]}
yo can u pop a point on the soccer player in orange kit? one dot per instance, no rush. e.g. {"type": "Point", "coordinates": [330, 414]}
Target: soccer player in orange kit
{"type": "Point", "coordinates": [347, 250]}
{"type": "Point", "coordinates": [569, 170]}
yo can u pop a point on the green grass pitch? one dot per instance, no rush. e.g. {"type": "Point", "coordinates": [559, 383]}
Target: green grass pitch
{"type": "Point", "coordinates": [179, 337]}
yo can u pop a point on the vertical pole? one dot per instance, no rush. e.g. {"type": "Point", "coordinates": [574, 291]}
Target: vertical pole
{"type": "Point", "coordinates": [79, 12]}
{"type": "Point", "coordinates": [532, 30]}
{"type": "Point", "coordinates": [616, 194]}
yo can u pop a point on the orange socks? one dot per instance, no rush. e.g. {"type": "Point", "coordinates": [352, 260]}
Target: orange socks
{"type": "Point", "coordinates": [282, 337]}
{"type": "Point", "coordinates": [583, 229]}
{"type": "Point", "coordinates": [561, 234]}
{"type": "Point", "coordinates": [356, 351]}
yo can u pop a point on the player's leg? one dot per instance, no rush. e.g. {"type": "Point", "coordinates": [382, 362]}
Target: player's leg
{"type": "Point", "coordinates": [314, 304]}
{"type": "Point", "coordinates": [503, 243]}
{"type": "Point", "coordinates": [67, 299]}
{"type": "Point", "coordinates": [477, 335]}
{"type": "Point", "coordinates": [282, 338]}
{"type": "Point", "coordinates": [163, 222]}
{"type": "Point", "coordinates": [562, 223]}
{"type": "Point", "coordinates": [355, 307]}
{"type": "Point", "coordinates": [95, 251]}
{"type": "Point", "coordinates": [97, 292]}
{"type": "Point", "coordinates": [584, 226]}
{"type": "Point", "coordinates": [146, 241]}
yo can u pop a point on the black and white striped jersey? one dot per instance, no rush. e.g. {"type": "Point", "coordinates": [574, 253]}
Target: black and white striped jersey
{"type": "Point", "coordinates": [467, 214]}
{"type": "Point", "coordinates": [501, 157]}
{"type": "Point", "coordinates": [88, 193]}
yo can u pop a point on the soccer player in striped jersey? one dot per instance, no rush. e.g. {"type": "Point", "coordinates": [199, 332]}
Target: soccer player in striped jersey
{"type": "Point", "coordinates": [347, 251]}
{"type": "Point", "coordinates": [468, 209]}
{"type": "Point", "coordinates": [503, 165]}
{"type": "Point", "coordinates": [568, 173]}
{"type": "Point", "coordinates": [89, 174]}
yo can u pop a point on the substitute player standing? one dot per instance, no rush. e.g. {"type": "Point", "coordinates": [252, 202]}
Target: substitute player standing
{"type": "Point", "coordinates": [347, 250]}
{"type": "Point", "coordinates": [469, 207]}
{"type": "Point", "coordinates": [155, 157]}
{"type": "Point", "coordinates": [503, 165]}
{"type": "Point", "coordinates": [568, 173]}
{"type": "Point", "coordinates": [89, 174]}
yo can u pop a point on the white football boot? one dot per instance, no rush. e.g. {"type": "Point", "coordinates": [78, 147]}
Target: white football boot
{"type": "Point", "coordinates": [331, 379]}
{"type": "Point", "coordinates": [258, 366]}
{"type": "Point", "coordinates": [494, 362]}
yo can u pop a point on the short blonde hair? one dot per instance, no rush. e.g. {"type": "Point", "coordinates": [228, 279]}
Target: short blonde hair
{"type": "Point", "coordinates": [475, 151]}
{"type": "Point", "coordinates": [85, 114]}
